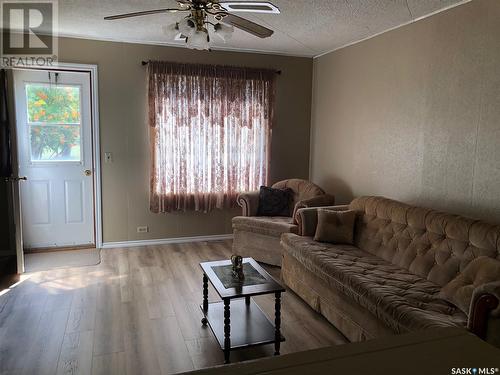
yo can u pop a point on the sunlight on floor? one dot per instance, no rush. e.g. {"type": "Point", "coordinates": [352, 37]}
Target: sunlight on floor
{"type": "Point", "coordinates": [62, 259]}
{"type": "Point", "coordinates": [22, 278]}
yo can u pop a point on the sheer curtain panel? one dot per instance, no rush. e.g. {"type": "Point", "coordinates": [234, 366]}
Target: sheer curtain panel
{"type": "Point", "coordinates": [210, 129]}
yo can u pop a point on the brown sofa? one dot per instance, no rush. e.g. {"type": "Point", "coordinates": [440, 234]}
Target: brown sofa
{"type": "Point", "coordinates": [393, 278]}
{"type": "Point", "coordinates": [259, 236]}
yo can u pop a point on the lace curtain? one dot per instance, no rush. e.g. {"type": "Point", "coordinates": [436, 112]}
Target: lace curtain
{"type": "Point", "coordinates": [210, 129]}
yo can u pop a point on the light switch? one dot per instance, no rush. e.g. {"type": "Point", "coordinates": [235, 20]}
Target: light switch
{"type": "Point", "coordinates": [108, 157]}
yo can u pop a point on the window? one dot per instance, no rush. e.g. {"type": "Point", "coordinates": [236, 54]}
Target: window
{"type": "Point", "coordinates": [210, 133]}
{"type": "Point", "coordinates": [54, 122]}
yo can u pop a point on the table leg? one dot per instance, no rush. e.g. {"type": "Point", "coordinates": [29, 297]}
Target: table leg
{"type": "Point", "coordinates": [204, 321]}
{"type": "Point", "coordinates": [277, 323]}
{"type": "Point", "coordinates": [227, 330]}
{"type": "Point", "coordinates": [247, 300]}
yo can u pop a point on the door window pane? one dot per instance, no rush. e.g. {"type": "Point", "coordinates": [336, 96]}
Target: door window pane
{"type": "Point", "coordinates": [55, 143]}
{"type": "Point", "coordinates": [53, 104]}
{"type": "Point", "coordinates": [54, 122]}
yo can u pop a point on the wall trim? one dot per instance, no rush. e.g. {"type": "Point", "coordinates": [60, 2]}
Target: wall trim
{"type": "Point", "coordinates": [181, 45]}
{"type": "Point", "coordinates": [165, 241]}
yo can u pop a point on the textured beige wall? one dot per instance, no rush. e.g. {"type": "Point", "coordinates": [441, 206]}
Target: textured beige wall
{"type": "Point", "coordinates": [414, 114]}
{"type": "Point", "coordinates": [122, 101]}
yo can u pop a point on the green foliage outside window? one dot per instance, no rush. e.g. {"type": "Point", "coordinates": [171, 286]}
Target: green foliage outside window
{"type": "Point", "coordinates": [59, 142]}
{"type": "Point", "coordinates": [53, 104]}
{"type": "Point", "coordinates": [56, 112]}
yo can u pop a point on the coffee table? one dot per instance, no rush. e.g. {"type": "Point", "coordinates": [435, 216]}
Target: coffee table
{"type": "Point", "coordinates": [238, 322]}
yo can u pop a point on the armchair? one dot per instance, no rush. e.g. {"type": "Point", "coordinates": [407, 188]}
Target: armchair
{"type": "Point", "coordinates": [259, 236]}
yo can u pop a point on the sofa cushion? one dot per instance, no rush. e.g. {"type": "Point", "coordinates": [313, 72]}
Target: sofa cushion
{"type": "Point", "coordinates": [275, 202]}
{"type": "Point", "coordinates": [480, 271]}
{"type": "Point", "coordinates": [268, 225]}
{"type": "Point", "coordinates": [336, 227]}
{"type": "Point", "coordinates": [403, 301]}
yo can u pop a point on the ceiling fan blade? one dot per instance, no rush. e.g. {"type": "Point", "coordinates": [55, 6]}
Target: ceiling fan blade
{"type": "Point", "coordinates": [248, 26]}
{"type": "Point", "coordinates": [143, 13]}
{"type": "Point", "coordinates": [249, 6]}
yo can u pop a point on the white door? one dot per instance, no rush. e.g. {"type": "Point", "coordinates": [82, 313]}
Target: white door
{"type": "Point", "coordinates": [54, 137]}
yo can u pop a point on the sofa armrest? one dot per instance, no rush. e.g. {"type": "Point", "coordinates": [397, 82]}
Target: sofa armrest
{"type": "Point", "coordinates": [307, 218]}
{"type": "Point", "coordinates": [484, 313]}
{"type": "Point", "coordinates": [249, 202]}
{"type": "Point", "coordinates": [318, 201]}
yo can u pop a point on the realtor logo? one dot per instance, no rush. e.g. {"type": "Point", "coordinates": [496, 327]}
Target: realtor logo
{"type": "Point", "coordinates": [28, 32]}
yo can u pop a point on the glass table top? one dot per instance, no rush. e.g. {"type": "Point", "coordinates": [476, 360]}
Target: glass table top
{"type": "Point", "coordinates": [225, 275]}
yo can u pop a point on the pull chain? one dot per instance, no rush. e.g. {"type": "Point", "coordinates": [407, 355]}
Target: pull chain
{"type": "Point", "coordinates": [56, 78]}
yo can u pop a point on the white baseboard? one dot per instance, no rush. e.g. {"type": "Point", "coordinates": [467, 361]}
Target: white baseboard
{"type": "Point", "coordinates": [165, 241]}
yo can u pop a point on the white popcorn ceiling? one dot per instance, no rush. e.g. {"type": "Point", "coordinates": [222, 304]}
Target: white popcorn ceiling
{"type": "Point", "coordinates": [304, 27]}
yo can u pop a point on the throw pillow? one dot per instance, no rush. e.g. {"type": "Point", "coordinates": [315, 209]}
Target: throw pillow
{"type": "Point", "coordinates": [274, 202]}
{"type": "Point", "coordinates": [479, 271]}
{"type": "Point", "coordinates": [335, 226]}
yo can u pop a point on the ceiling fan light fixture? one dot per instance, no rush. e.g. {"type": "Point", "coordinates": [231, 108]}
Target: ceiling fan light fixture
{"type": "Point", "coordinates": [223, 31]}
{"type": "Point", "coordinates": [186, 26]}
{"type": "Point", "coordinates": [203, 14]}
{"type": "Point", "coordinates": [171, 30]}
{"type": "Point", "coordinates": [198, 40]}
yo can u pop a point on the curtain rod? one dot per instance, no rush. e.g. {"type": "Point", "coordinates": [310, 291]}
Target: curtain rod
{"type": "Point", "coordinates": [146, 63]}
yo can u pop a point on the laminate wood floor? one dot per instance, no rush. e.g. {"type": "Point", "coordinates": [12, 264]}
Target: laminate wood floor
{"type": "Point", "coordinates": [135, 313]}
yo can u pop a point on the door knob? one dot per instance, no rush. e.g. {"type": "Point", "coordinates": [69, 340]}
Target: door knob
{"type": "Point", "coordinates": [87, 172]}
{"type": "Point", "coordinates": [24, 178]}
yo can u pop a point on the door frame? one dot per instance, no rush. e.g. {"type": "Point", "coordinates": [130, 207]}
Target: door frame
{"type": "Point", "coordinates": [92, 69]}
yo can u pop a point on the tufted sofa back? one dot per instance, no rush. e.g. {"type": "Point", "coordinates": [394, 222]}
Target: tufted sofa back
{"type": "Point", "coordinates": [302, 189]}
{"type": "Point", "coordinates": [429, 243]}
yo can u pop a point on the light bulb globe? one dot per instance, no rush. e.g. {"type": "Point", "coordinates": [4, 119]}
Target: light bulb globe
{"type": "Point", "coordinates": [198, 40]}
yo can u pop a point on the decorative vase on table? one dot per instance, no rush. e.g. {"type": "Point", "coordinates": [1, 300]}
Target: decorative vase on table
{"type": "Point", "coordinates": [237, 261]}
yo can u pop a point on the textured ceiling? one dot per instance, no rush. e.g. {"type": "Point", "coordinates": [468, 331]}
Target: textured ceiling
{"type": "Point", "coordinates": [304, 27]}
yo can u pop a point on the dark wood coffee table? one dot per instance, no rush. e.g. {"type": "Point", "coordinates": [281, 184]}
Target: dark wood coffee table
{"type": "Point", "coordinates": [241, 323]}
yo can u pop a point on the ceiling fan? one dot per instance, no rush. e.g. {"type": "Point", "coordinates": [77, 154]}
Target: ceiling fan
{"type": "Point", "coordinates": [193, 28]}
